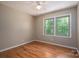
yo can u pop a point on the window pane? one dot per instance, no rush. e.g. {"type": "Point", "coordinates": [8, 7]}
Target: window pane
{"type": "Point", "coordinates": [62, 26]}
{"type": "Point", "coordinates": [49, 26]}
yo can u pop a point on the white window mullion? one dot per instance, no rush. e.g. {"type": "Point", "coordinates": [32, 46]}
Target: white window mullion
{"type": "Point", "coordinates": [54, 26]}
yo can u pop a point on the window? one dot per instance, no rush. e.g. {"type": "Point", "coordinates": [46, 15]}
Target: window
{"type": "Point", "coordinates": [58, 26]}
{"type": "Point", "coordinates": [49, 26]}
{"type": "Point", "coordinates": [62, 26]}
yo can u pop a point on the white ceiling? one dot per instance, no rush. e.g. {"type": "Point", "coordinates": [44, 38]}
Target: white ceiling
{"type": "Point", "coordinates": [30, 6]}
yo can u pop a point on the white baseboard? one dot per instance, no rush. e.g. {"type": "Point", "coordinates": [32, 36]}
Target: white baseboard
{"type": "Point", "coordinates": [14, 46]}
{"type": "Point", "coordinates": [57, 44]}
{"type": "Point", "coordinates": [39, 41]}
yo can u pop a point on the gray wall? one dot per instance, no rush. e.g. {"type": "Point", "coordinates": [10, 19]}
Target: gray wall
{"type": "Point", "coordinates": [15, 27]}
{"type": "Point", "coordinates": [59, 40]}
{"type": "Point", "coordinates": [78, 26]}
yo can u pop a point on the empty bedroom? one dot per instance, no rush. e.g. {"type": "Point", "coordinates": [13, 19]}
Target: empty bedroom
{"type": "Point", "coordinates": [39, 29]}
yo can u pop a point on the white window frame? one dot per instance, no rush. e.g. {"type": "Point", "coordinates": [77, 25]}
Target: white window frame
{"type": "Point", "coordinates": [55, 26]}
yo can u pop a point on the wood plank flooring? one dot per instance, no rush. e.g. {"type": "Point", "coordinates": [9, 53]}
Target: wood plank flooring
{"type": "Point", "coordinates": [37, 49]}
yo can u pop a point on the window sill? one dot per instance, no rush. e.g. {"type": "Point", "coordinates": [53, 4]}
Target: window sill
{"type": "Point", "coordinates": [58, 36]}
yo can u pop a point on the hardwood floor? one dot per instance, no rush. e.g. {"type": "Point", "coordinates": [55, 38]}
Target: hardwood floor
{"type": "Point", "coordinates": [37, 49]}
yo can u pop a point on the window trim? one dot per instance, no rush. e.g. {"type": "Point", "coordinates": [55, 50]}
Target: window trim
{"type": "Point", "coordinates": [70, 22]}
